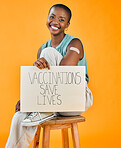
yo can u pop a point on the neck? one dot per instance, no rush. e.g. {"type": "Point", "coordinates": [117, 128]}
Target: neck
{"type": "Point", "coordinates": [56, 39]}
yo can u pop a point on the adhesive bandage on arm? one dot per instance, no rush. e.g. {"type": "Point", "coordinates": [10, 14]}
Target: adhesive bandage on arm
{"type": "Point", "coordinates": [75, 49]}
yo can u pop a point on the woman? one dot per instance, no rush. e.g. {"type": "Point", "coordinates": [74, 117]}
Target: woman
{"type": "Point", "coordinates": [62, 49]}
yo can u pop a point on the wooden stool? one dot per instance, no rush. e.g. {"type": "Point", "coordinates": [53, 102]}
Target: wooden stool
{"type": "Point", "coordinates": [59, 123]}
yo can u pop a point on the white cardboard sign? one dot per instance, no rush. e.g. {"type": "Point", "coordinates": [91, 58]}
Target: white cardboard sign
{"type": "Point", "coordinates": [60, 89]}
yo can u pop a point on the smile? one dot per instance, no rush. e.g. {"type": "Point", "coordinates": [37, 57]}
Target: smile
{"type": "Point", "coordinates": [55, 28]}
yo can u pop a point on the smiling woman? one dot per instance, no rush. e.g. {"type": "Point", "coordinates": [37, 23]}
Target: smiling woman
{"type": "Point", "coordinates": [61, 50]}
{"type": "Point", "coordinates": [58, 20]}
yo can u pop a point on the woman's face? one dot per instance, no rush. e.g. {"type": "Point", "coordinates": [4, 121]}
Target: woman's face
{"type": "Point", "coordinates": [57, 20]}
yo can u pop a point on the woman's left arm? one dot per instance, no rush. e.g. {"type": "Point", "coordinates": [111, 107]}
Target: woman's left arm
{"type": "Point", "coordinates": [73, 56]}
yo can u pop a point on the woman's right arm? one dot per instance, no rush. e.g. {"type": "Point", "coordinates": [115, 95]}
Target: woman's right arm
{"type": "Point", "coordinates": [39, 52]}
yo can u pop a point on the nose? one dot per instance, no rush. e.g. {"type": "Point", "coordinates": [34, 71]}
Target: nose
{"type": "Point", "coordinates": [56, 21]}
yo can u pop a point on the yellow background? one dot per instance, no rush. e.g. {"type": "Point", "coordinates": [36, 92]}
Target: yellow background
{"type": "Point", "coordinates": [98, 24]}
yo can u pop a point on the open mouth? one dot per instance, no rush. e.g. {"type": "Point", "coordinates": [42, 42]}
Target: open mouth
{"type": "Point", "coordinates": [54, 27]}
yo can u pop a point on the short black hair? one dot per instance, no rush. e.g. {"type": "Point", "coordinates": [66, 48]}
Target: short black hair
{"type": "Point", "coordinates": [65, 8]}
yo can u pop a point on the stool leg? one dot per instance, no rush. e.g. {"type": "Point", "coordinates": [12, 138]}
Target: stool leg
{"type": "Point", "coordinates": [65, 140]}
{"type": "Point", "coordinates": [75, 135]}
{"type": "Point", "coordinates": [36, 138]}
{"type": "Point", "coordinates": [46, 136]}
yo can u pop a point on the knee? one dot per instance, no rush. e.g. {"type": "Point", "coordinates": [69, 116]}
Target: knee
{"type": "Point", "coordinates": [52, 56]}
{"type": "Point", "coordinates": [48, 50]}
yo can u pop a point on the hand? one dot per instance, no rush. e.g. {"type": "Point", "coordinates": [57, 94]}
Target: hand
{"type": "Point", "coordinates": [17, 108]}
{"type": "Point", "coordinates": [41, 63]}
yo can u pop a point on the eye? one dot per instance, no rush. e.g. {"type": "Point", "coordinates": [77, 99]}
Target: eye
{"type": "Point", "coordinates": [51, 17]}
{"type": "Point", "coordinates": [61, 20]}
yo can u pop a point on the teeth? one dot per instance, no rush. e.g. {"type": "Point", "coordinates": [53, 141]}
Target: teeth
{"type": "Point", "coordinates": [54, 28]}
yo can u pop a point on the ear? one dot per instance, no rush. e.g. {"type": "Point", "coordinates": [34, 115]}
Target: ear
{"type": "Point", "coordinates": [67, 24]}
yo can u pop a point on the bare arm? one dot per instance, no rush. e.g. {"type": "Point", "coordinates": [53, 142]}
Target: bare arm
{"type": "Point", "coordinates": [17, 107]}
{"type": "Point", "coordinates": [72, 57]}
{"type": "Point", "coordinates": [39, 52]}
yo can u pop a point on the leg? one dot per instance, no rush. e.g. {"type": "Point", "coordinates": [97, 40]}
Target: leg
{"type": "Point", "coordinates": [52, 56]}
{"type": "Point", "coordinates": [36, 137]}
{"type": "Point", "coordinates": [88, 103]}
{"type": "Point", "coordinates": [20, 136]}
{"type": "Point", "coordinates": [46, 136]}
{"type": "Point", "coordinates": [75, 135]}
{"type": "Point", "coordinates": [65, 139]}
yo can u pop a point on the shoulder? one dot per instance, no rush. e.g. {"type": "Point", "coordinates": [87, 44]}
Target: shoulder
{"type": "Point", "coordinates": [77, 44]}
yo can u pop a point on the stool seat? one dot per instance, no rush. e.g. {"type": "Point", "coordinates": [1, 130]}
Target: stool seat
{"type": "Point", "coordinates": [64, 120]}
{"type": "Point", "coordinates": [62, 123]}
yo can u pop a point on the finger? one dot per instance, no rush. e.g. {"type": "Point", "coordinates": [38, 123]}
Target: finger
{"type": "Point", "coordinates": [37, 65]}
{"type": "Point", "coordinates": [45, 61]}
{"type": "Point", "coordinates": [48, 66]}
{"type": "Point", "coordinates": [40, 64]}
{"type": "Point", "coordinates": [44, 65]}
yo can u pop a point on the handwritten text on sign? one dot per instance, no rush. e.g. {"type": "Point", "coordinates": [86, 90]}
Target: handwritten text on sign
{"type": "Point", "coordinates": [62, 88]}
